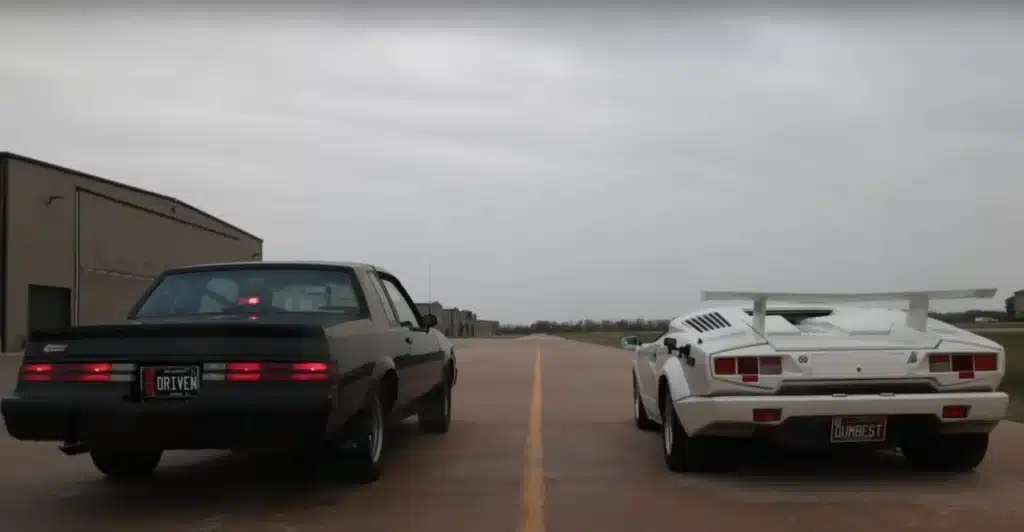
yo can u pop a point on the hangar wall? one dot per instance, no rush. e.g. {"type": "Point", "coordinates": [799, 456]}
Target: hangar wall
{"type": "Point", "coordinates": [97, 241]}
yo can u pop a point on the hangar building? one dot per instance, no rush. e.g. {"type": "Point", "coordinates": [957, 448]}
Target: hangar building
{"type": "Point", "coordinates": [80, 249]}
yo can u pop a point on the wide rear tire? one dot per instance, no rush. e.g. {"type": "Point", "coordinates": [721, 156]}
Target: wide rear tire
{"type": "Point", "coordinates": [948, 453]}
{"type": "Point", "coordinates": [435, 416]}
{"type": "Point", "coordinates": [685, 454]}
{"type": "Point", "coordinates": [367, 453]}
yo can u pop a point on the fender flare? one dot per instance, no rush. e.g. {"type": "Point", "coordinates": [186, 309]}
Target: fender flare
{"type": "Point", "coordinates": [449, 358]}
{"type": "Point", "coordinates": [381, 367]}
{"type": "Point", "coordinates": [678, 386]}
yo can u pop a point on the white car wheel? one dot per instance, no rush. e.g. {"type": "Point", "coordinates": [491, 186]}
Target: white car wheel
{"type": "Point", "coordinates": [668, 429]}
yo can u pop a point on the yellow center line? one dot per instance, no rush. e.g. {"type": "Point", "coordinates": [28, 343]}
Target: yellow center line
{"type": "Point", "coordinates": [533, 469]}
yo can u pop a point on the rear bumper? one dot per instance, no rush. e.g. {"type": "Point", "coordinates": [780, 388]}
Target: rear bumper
{"type": "Point", "coordinates": [167, 424]}
{"type": "Point", "coordinates": [913, 413]}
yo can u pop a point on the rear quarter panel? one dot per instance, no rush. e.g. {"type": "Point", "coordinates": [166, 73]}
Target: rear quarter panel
{"type": "Point", "coordinates": [363, 351]}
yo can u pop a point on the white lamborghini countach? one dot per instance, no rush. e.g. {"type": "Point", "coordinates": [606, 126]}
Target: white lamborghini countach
{"type": "Point", "coordinates": [813, 372]}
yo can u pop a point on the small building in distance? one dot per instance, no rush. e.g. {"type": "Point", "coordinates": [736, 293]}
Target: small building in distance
{"type": "Point", "coordinates": [457, 323]}
{"type": "Point", "coordinates": [1015, 306]}
{"type": "Point", "coordinates": [485, 328]}
{"type": "Point", "coordinates": [80, 249]}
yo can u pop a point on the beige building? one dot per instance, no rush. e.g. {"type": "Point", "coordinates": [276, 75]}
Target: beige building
{"type": "Point", "coordinates": [486, 328]}
{"type": "Point", "coordinates": [457, 323]}
{"type": "Point", "coordinates": [79, 249]}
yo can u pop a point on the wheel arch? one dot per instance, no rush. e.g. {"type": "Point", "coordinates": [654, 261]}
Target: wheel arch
{"type": "Point", "coordinates": [451, 370]}
{"type": "Point", "coordinates": [385, 382]}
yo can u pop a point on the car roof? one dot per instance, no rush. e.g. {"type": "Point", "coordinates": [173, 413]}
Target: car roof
{"type": "Point", "coordinates": [276, 264]}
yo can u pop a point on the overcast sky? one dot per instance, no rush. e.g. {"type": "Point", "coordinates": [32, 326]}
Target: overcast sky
{"type": "Point", "coordinates": [558, 165]}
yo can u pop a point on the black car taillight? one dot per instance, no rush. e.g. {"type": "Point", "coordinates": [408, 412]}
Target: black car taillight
{"type": "Point", "coordinates": [276, 371]}
{"type": "Point", "coordinates": [71, 372]}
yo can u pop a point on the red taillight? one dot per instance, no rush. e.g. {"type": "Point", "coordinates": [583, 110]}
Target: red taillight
{"type": "Point", "coordinates": [725, 366]}
{"type": "Point", "coordinates": [309, 371]}
{"type": "Point", "coordinates": [87, 372]}
{"type": "Point", "coordinates": [767, 415]}
{"type": "Point", "coordinates": [749, 368]}
{"type": "Point", "coordinates": [37, 372]}
{"type": "Point", "coordinates": [986, 362]}
{"type": "Point", "coordinates": [272, 371]}
{"type": "Point", "coordinates": [747, 365]}
{"type": "Point", "coordinates": [964, 364]}
{"type": "Point", "coordinates": [955, 412]}
{"type": "Point", "coordinates": [79, 372]}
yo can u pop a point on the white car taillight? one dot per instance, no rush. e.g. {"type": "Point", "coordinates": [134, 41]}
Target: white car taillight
{"type": "Point", "coordinates": [965, 364]}
{"type": "Point", "coordinates": [748, 367]}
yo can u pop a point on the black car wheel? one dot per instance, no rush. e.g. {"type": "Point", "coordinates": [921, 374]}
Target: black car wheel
{"type": "Point", "coordinates": [435, 416]}
{"type": "Point", "coordinates": [687, 454]}
{"type": "Point", "coordinates": [368, 451]}
{"type": "Point", "coordinates": [126, 465]}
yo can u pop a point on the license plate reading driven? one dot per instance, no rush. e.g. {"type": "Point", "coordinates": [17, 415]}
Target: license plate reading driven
{"type": "Point", "coordinates": [858, 429]}
{"type": "Point", "coordinates": [170, 382]}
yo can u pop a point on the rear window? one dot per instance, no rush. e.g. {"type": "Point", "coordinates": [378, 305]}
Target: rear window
{"type": "Point", "coordinates": [263, 290]}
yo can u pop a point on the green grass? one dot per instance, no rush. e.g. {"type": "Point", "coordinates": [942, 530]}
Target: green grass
{"type": "Point", "coordinates": [1012, 341]}
{"type": "Point", "coordinates": [1013, 381]}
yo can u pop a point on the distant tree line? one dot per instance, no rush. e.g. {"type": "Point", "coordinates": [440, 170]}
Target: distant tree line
{"type": "Point", "coordinates": [548, 326]}
{"type": "Point", "coordinates": [642, 324]}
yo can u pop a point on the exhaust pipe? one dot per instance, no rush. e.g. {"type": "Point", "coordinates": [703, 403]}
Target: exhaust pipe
{"type": "Point", "coordinates": [72, 449]}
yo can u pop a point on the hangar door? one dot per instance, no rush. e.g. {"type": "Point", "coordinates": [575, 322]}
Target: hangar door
{"type": "Point", "coordinates": [49, 307]}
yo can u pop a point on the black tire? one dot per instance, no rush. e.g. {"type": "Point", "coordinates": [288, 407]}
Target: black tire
{"type": "Point", "coordinates": [369, 436]}
{"type": "Point", "coordinates": [435, 416]}
{"type": "Point", "coordinates": [640, 417]}
{"type": "Point", "coordinates": [949, 453]}
{"type": "Point", "coordinates": [685, 454]}
{"type": "Point", "coordinates": [126, 465]}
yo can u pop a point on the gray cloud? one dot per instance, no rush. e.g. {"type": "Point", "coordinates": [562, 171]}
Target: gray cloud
{"type": "Point", "coordinates": [556, 165]}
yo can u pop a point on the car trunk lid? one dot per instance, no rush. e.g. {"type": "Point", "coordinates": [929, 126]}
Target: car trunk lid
{"type": "Point", "coordinates": [181, 342]}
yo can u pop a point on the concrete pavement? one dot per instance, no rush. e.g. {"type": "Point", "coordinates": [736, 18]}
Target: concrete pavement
{"type": "Point", "coordinates": [543, 440]}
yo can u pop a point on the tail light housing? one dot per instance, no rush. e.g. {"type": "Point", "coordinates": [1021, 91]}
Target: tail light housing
{"type": "Point", "coordinates": [749, 368]}
{"type": "Point", "coordinates": [964, 364]}
{"type": "Point", "coordinates": [68, 372]}
{"type": "Point", "coordinates": [276, 371]}
{"type": "Point", "coordinates": [36, 372]}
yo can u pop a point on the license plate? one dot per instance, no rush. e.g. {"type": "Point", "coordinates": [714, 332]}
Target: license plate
{"type": "Point", "coordinates": [169, 382]}
{"type": "Point", "coordinates": [858, 429]}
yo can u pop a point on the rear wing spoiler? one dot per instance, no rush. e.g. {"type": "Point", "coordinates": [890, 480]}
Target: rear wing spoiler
{"type": "Point", "coordinates": [917, 315]}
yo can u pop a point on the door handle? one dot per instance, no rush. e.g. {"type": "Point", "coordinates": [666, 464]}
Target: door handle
{"type": "Point", "coordinates": [408, 340]}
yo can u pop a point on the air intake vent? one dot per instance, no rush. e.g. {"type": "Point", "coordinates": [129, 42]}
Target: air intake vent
{"type": "Point", "coordinates": [708, 322]}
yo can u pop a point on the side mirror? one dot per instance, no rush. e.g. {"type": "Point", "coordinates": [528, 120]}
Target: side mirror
{"type": "Point", "coordinates": [683, 350]}
{"type": "Point", "coordinates": [429, 321]}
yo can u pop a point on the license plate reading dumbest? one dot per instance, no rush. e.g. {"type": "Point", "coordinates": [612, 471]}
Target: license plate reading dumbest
{"type": "Point", "coordinates": [858, 429]}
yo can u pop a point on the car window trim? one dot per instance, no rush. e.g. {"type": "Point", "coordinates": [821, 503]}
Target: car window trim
{"type": "Point", "coordinates": [405, 295]}
{"type": "Point", "coordinates": [383, 296]}
{"type": "Point", "coordinates": [353, 278]}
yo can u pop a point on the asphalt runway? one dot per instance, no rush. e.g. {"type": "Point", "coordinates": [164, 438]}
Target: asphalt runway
{"type": "Point", "coordinates": [542, 440]}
